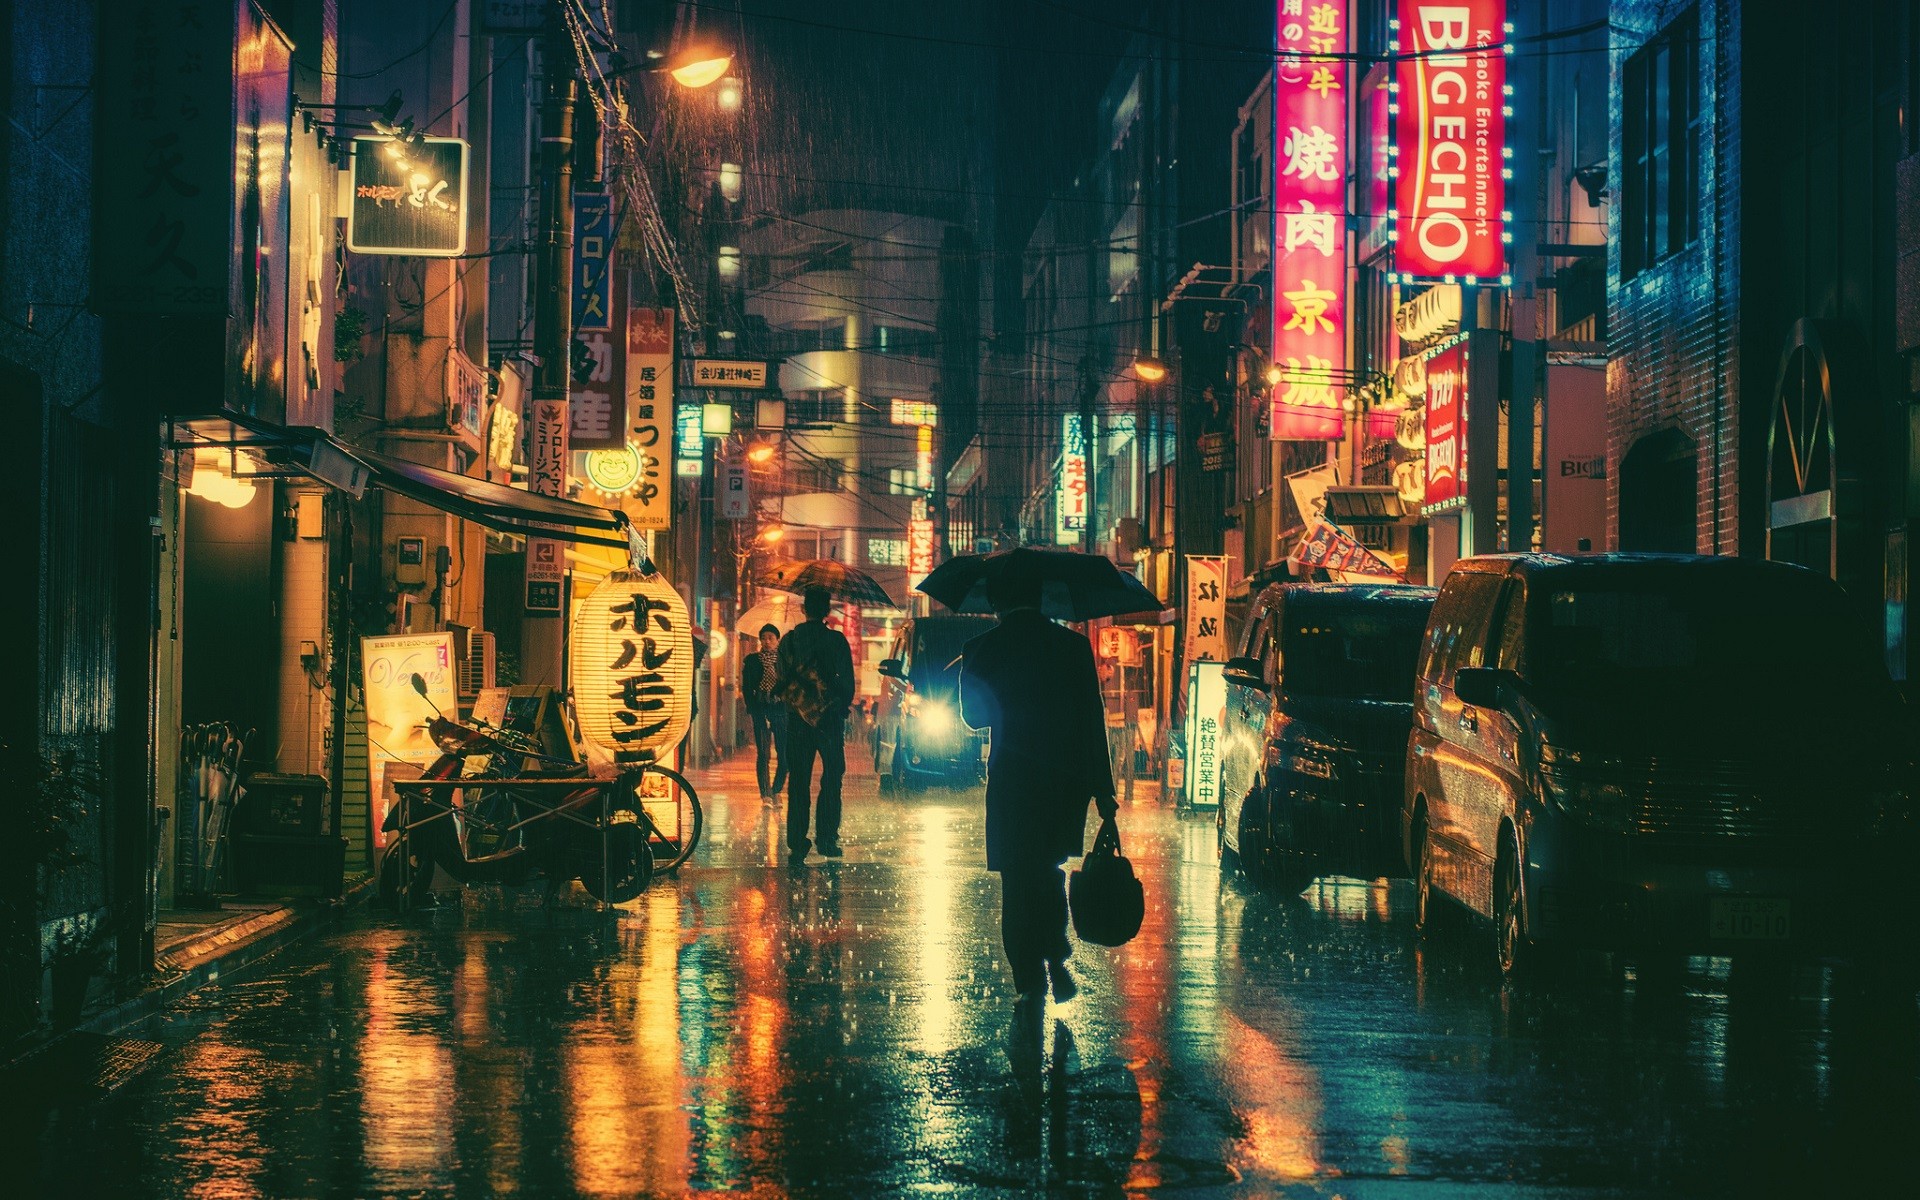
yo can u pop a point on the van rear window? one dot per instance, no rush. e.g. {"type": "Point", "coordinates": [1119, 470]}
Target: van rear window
{"type": "Point", "coordinates": [1712, 632]}
{"type": "Point", "coordinates": [1353, 654]}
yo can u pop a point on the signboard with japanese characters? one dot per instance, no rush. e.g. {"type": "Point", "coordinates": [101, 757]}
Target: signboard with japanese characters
{"type": "Point", "coordinates": [409, 199]}
{"type": "Point", "coordinates": [466, 399]}
{"type": "Point", "coordinates": [547, 451]}
{"type": "Point", "coordinates": [593, 262]}
{"type": "Point", "coordinates": [736, 502]}
{"type": "Point", "coordinates": [914, 412]}
{"type": "Point", "coordinates": [1206, 720]}
{"type": "Point", "coordinates": [689, 443]}
{"type": "Point", "coordinates": [546, 571]}
{"type": "Point", "coordinates": [750, 374]}
{"type": "Point", "coordinates": [649, 385]}
{"type": "Point", "coordinates": [1446, 426]}
{"type": "Point", "coordinates": [1206, 613]}
{"type": "Point", "coordinates": [919, 544]}
{"type": "Point", "coordinates": [1310, 221]}
{"type": "Point", "coordinates": [1449, 159]}
{"type": "Point", "coordinates": [1326, 546]}
{"type": "Point", "coordinates": [597, 408]}
{"type": "Point", "coordinates": [1070, 491]}
{"type": "Point", "coordinates": [164, 124]}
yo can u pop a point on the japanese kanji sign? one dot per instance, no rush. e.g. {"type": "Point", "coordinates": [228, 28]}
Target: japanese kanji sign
{"type": "Point", "coordinates": [1206, 613]}
{"type": "Point", "coordinates": [1446, 425]}
{"type": "Point", "coordinates": [1310, 86]}
{"type": "Point", "coordinates": [1331, 548]}
{"type": "Point", "coordinates": [546, 571]}
{"type": "Point", "coordinates": [920, 544]}
{"type": "Point", "coordinates": [165, 127]}
{"type": "Point", "coordinates": [749, 374]}
{"type": "Point", "coordinates": [547, 452]}
{"type": "Point", "coordinates": [736, 503]}
{"type": "Point", "coordinates": [650, 413]}
{"type": "Point", "coordinates": [592, 262]}
{"type": "Point", "coordinates": [409, 200]}
{"type": "Point", "coordinates": [1070, 490]}
{"type": "Point", "coordinates": [1449, 157]}
{"type": "Point", "coordinates": [1206, 721]}
{"type": "Point", "coordinates": [597, 407]}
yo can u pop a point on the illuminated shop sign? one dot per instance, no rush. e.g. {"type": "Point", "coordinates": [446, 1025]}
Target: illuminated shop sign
{"type": "Point", "coordinates": [1070, 493]}
{"type": "Point", "coordinates": [1446, 427]}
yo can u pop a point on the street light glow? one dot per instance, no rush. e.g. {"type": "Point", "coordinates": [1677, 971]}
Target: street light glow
{"type": "Point", "coordinates": [701, 70]}
{"type": "Point", "coordinates": [1150, 369]}
{"type": "Point", "coordinates": [760, 453]}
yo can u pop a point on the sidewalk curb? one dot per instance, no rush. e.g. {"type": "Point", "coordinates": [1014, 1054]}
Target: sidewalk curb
{"type": "Point", "coordinates": [263, 936]}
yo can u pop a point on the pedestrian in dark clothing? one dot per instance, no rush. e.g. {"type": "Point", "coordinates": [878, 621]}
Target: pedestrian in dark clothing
{"type": "Point", "coordinates": [816, 683]}
{"type": "Point", "coordinates": [768, 714]}
{"type": "Point", "coordinates": [1032, 683]}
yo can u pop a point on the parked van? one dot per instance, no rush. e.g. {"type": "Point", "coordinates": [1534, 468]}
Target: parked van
{"type": "Point", "coordinates": [1319, 703]}
{"type": "Point", "coordinates": [1655, 752]}
{"type": "Point", "coordinates": [918, 737]}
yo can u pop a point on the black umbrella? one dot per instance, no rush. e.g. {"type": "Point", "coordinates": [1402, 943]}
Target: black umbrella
{"type": "Point", "coordinates": [1073, 586]}
{"type": "Point", "coordinates": [848, 584]}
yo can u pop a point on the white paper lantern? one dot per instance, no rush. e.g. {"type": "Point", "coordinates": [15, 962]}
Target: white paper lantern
{"type": "Point", "coordinates": [631, 666]}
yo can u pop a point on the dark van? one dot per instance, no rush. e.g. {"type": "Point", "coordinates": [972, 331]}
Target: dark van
{"type": "Point", "coordinates": [1319, 702]}
{"type": "Point", "coordinates": [1653, 752]}
{"type": "Point", "coordinates": [918, 737]}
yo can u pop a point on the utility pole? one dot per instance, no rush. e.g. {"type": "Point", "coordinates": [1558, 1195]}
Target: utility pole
{"type": "Point", "coordinates": [543, 633]}
{"type": "Point", "coordinates": [1089, 539]}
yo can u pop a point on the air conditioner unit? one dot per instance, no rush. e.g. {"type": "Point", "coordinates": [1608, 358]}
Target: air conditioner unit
{"type": "Point", "coordinates": [476, 667]}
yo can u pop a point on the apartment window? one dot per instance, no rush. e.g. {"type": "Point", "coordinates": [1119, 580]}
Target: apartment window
{"type": "Point", "coordinates": [904, 481]}
{"type": "Point", "coordinates": [1660, 207]}
{"type": "Point", "coordinates": [887, 552]}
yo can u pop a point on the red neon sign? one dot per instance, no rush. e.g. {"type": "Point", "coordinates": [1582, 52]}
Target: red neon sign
{"type": "Point", "coordinates": [1449, 218]}
{"type": "Point", "coordinates": [1310, 165]}
{"type": "Point", "coordinates": [1447, 425]}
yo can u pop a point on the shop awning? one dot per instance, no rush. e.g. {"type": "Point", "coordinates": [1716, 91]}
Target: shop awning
{"type": "Point", "coordinates": [495, 505]}
{"type": "Point", "coordinates": [261, 448]}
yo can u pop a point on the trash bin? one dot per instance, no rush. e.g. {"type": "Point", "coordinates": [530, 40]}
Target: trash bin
{"type": "Point", "coordinates": [281, 846]}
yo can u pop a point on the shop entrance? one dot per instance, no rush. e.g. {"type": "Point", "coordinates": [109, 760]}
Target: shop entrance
{"type": "Point", "coordinates": [1659, 478]}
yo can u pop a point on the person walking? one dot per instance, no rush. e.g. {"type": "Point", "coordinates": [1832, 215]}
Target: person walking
{"type": "Point", "coordinates": [768, 715]}
{"type": "Point", "coordinates": [816, 684]}
{"type": "Point", "coordinates": [1032, 684]}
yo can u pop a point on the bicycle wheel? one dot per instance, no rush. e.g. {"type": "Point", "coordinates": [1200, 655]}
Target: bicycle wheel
{"type": "Point", "coordinates": [671, 809]}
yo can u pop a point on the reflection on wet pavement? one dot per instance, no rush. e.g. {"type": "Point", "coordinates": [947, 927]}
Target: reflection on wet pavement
{"type": "Point", "coordinates": [845, 1030]}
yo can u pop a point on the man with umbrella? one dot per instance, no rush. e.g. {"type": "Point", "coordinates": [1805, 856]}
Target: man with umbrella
{"type": "Point", "coordinates": [1033, 684]}
{"type": "Point", "coordinates": [816, 683]}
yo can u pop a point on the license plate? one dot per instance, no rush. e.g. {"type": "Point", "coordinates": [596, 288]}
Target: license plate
{"type": "Point", "coordinates": [1749, 920]}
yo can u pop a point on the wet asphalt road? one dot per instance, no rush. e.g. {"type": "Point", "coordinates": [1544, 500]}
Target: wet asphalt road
{"type": "Point", "coordinates": [844, 1031]}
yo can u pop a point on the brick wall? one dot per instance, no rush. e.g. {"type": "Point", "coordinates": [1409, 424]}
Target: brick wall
{"type": "Point", "coordinates": [1674, 327]}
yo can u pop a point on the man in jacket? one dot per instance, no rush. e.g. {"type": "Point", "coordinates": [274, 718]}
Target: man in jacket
{"type": "Point", "coordinates": [769, 715]}
{"type": "Point", "coordinates": [1033, 684]}
{"type": "Point", "coordinates": [816, 683]}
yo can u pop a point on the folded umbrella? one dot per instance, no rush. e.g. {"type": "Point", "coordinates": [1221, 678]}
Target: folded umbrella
{"type": "Point", "coordinates": [849, 585]}
{"type": "Point", "coordinates": [1073, 586]}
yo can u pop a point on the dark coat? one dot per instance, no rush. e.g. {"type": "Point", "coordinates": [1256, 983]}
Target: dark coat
{"type": "Point", "coordinates": [1033, 683]}
{"type": "Point", "coordinates": [814, 649]}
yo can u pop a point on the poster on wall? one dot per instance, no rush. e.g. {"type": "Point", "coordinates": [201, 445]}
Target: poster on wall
{"type": "Point", "coordinates": [1310, 161]}
{"type": "Point", "coordinates": [1574, 508]}
{"type": "Point", "coordinates": [396, 714]}
{"type": "Point", "coordinates": [1450, 154]}
{"type": "Point", "coordinates": [1446, 427]}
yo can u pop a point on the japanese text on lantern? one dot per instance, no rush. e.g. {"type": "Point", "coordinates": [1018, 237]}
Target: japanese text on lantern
{"type": "Point", "coordinates": [1310, 219]}
{"type": "Point", "coordinates": [640, 685]}
{"type": "Point", "coordinates": [1450, 156]}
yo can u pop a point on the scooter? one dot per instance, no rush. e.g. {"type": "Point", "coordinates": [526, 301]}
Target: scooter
{"type": "Point", "coordinates": [499, 835]}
